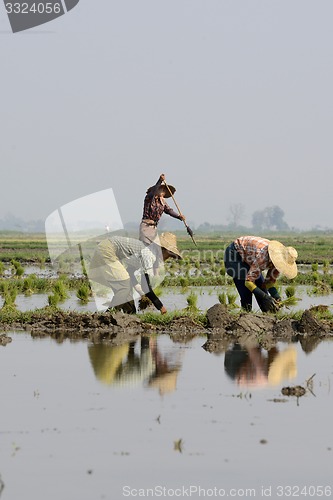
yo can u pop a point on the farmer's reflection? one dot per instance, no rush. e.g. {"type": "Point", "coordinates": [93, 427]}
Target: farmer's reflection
{"type": "Point", "coordinates": [254, 367]}
{"type": "Point", "coordinates": [126, 365]}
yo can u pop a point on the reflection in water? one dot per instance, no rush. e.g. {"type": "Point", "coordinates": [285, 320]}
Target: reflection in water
{"type": "Point", "coordinates": [1, 486]}
{"type": "Point", "coordinates": [136, 363]}
{"type": "Point", "coordinates": [253, 367]}
{"type": "Point", "coordinates": [144, 362]}
{"type": "Point", "coordinates": [309, 343]}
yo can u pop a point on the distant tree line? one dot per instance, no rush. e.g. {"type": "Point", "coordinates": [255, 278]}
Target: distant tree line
{"type": "Point", "coordinates": [270, 218]}
{"type": "Point", "coordinates": [12, 223]}
{"type": "Point", "coordinates": [267, 219]}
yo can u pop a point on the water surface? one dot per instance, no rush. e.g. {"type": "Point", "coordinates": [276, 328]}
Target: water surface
{"type": "Point", "coordinates": [85, 422]}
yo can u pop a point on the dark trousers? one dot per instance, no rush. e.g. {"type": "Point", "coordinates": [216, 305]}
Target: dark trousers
{"type": "Point", "coordinates": [238, 269]}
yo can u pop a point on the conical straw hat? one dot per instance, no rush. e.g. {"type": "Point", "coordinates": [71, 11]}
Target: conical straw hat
{"type": "Point", "coordinates": [169, 242]}
{"type": "Point", "coordinates": [163, 187]}
{"type": "Point", "coordinates": [283, 258]}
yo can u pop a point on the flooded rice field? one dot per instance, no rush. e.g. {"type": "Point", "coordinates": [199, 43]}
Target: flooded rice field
{"type": "Point", "coordinates": [158, 418]}
{"type": "Point", "coordinates": [153, 413]}
{"type": "Point", "coordinates": [174, 298]}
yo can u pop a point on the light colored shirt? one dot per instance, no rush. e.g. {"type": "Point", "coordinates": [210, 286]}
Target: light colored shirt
{"type": "Point", "coordinates": [133, 253]}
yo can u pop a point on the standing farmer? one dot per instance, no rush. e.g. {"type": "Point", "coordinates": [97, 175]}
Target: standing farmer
{"type": "Point", "coordinates": [153, 208]}
{"type": "Point", "coordinates": [246, 258]}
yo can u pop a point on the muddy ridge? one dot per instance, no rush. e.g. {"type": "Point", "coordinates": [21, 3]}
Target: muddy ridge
{"type": "Point", "coordinates": [222, 328]}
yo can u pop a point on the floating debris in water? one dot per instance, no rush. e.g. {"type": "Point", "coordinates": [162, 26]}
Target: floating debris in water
{"type": "Point", "coordinates": [178, 445]}
{"type": "Point", "coordinates": [296, 390]}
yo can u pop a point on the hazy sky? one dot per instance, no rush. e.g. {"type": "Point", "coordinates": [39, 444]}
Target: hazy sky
{"type": "Point", "coordinates": [231, 99]}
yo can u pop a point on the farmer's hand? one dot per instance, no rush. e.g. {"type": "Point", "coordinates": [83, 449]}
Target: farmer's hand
{"type": "Point", "coordinates": [265, 301]}
{"type": "Point", "coordinates": [182, 217]}
{"type": "Point", "coordinates": [268, 304]}
{"type": "Point", "coordinates": [163, 310]}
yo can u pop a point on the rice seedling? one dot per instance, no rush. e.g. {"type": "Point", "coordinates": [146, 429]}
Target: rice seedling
{"type": "Point", "coordinates": [165, 319]}
{"type": "Point", "coordinates": [29, 284]}
{"type": "Point", "coordinates": [18, 269]}
{"type": "Point", "coordinates": [321, 288]}
{"type": "Point", "coordinates": [41, 260]}
{"type": "Point", "coordinates": [315, 277]}
{"type": "Point", "coordinates": [232, 299]}
{"type": "Point", "coordinates": [9, 294]}
{"type": "Point", "coordinates": [192, 302]}
{"type": "Point", "coordinates": [53, 300]}
{"type": "Point", "coordinates": [222, 298]}
{"type": "Point", "coordinates": [291, 300]}
{"type": "Point", "coordinates": [60, 290]}
{"type": "Point", "coordinates": [290, 291]}
{"type": "Point", "coordinates": [184, 283]}
{"type": "Point", "coordinates": [326, 266]}
{"type": "Point", "coordinates": [322, 312]}
{"type": "Point", "coordinates": [288, 302]}
{"type": "Point", "coordinates": [83, 293]}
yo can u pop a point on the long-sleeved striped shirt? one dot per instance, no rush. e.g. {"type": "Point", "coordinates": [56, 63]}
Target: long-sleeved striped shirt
{"type": "Point", "coordinates": [154, 206]}
{"type": "Point", "coordinates": [133, 253]}
{"type": "Point", "coordinates": [254, 251]}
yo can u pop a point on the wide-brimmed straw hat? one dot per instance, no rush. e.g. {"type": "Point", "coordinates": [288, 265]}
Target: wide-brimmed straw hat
{"type": "Point", "coordinates": [283, 258]}
{"type": "Point", "coordinates": [163, 187]}
{"type": "Point", "coordinates": [169, 242]}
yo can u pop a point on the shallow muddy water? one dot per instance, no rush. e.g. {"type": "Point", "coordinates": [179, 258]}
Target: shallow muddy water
{"type": "Point", "coordinates": [87, 422]}
{"type": "Point", "coordinates": [174, 299]}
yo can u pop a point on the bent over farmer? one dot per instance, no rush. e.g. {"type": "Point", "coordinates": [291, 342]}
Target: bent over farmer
{"type": "Point", "coordinates": [247, 257]}
{"type": "Point", "coordinates": [125, 264]}
{"type": "Point", "coordinates": [153, 208]}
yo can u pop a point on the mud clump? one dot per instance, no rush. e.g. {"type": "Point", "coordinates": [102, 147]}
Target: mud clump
{"type": "Point", "coordinates": [4, 339]}
{"type": "Point", "coordinates": [184, 329]}
{"type": "Point", "coordinates": [285, 328]}
{"type": "Point", "coordinates": [118, 327]}
{"type": "Point", "coordinates": [218, 316]}
{"type": "Point", "coordinates": [225, 328]}
{"type": "Point", "coordinates": [221, 328]}
{"type": "Point", "coordinates": [309, 324]}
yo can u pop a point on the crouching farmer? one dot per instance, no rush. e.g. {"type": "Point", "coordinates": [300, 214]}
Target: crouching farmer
{"type": "Point", "coordinates": [247, 257]}
{"type": "Point", "coordinates": [126, 265]}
